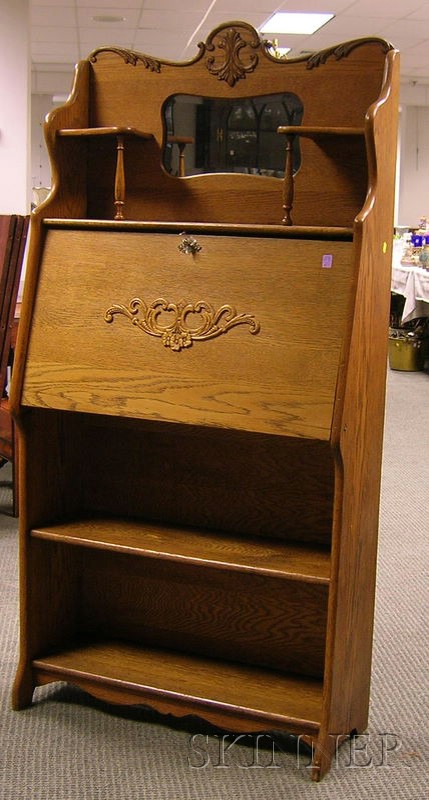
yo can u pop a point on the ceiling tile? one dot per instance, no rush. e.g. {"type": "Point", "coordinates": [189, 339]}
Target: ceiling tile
{"type": "Point", "coordinates": [56, 3]}
{"type": "Point", "coordinates": [417, 50]}
{"type": "Point", "coordinates": [175, 28]}
{"type": "Point", "coordinates": [318, 6]}
{"type": "Point", "coordinates": [168, 20]}
{"type": "Point", "coordinates": [61, 50]}
{"type": "Point", "coordinates": [154, 38]}
{"type": "Point", "coordinates": [242, 8]}
{"type": "Point", "coordinates": [170, 5]}
{"type": "Point", "coordinates": [89, 40]}
{"type": "Point", "coordinates": [215, 18]}
{"type": "Point", "coordinates": [108, 5]}
{"type": "Point", "coordinates": [410, 28]}
{"type": "Point", "coordinates": [48, 34]}
{"type": "Point", "coordinates": [50, 15]}
{"type": "Point", "coordinates": [421, 13]}
{"type": "Point", "coordinates": [395, 9]}
{"type": "Point", "coordinates": [51, 58]}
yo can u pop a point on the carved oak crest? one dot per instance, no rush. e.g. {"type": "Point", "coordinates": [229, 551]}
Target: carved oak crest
{"type": "Point", "coordinates": [179, 333]}
{"type": "Point", "coordinates": [231, 55]}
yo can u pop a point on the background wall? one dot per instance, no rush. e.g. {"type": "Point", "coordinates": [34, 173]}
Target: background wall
{"type": "Point", "coordinates": [14, 106]}
{"type": "Point", "coordinates": [41, 104]}
{"type": "Point", "coordinates": [413, 189]}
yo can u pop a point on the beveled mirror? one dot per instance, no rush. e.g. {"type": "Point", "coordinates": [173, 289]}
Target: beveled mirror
{"type": "Point", "coordinates": [205, 134]}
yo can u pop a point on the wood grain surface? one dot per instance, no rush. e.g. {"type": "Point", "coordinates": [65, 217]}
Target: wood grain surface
{"type": "Point", "coordinates": [279, 380]}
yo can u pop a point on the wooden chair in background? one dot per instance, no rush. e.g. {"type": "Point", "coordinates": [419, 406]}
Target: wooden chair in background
{"type": "Point", "coordinates": [13, 235]}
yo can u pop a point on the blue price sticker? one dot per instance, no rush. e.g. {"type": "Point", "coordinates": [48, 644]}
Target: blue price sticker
{"type": "Point", "coordinates": [327, 261]}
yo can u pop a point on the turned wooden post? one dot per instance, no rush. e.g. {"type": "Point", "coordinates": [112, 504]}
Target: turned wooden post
{"type": "Point", "coordinates": [288, 185]}
{"type": "Point", "coordinates": [182, 171]}
{"type": "Point", "coordinates": [119, 178]}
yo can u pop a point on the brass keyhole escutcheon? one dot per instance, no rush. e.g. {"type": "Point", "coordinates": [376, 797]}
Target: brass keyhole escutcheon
{"type": "Point", "coordinates": [189, 245]}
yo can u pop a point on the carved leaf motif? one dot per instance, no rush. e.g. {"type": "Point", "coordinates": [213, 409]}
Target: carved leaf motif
{"type": "Point", "coordinates": [343, 50]}
{"type": "Point", "coordinates": [129, 56]}
{"type": "Point", "coordinates": [189, 321]}
{"type": "Point", "coordinates": [231, 68]}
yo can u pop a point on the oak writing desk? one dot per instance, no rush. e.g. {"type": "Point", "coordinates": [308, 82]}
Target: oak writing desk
{"type": "Point", "coordinates": [203, 379]}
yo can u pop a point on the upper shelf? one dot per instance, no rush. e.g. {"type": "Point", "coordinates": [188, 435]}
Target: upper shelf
{"type": "Point", "coordinates": [121, 133]}
{"type": "Point", "coordinates": [214, 548]}
{"type": "Point", "coordinates": [106, 131]}
{"type": "Point", "coordinates": [316, 131]}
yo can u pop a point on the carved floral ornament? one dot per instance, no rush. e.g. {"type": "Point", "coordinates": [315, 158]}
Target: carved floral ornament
{"type": "Point", "coordinates": [232, 56]}
{"type": "Point", "coordinates": [230, 53]}
{"type": "Point", "coordinates": [183, 329]}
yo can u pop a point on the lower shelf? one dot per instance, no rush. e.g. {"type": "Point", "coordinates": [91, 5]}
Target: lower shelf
{"type": "Point", "coordinates": [228, 694]}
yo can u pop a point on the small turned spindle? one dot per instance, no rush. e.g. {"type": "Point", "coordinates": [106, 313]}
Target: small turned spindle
{"type": "Point", "coordinates": [119, 178]}
{"type": "Point", "coordinates": [288, 185]}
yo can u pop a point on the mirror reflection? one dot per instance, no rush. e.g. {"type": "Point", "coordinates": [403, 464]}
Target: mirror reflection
{"type": "Point", "coordinates": [207, 134]}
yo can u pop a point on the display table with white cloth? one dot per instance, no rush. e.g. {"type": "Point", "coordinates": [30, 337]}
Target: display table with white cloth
{"type": "Point", "coordinates": [412, 282]}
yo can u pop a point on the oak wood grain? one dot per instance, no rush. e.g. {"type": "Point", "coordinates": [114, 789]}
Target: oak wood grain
{"type": "Point", "coordinates": [239, 616]}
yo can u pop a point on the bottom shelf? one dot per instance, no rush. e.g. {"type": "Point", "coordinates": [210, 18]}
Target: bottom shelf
{"type": "Point", "coordinates": [227, 694]}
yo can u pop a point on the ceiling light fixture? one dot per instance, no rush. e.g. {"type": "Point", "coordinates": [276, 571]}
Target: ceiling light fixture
{"type": "Point", "coordinates": [107, 18]}
{"type": "Point", "coordinates": [284, 22]}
